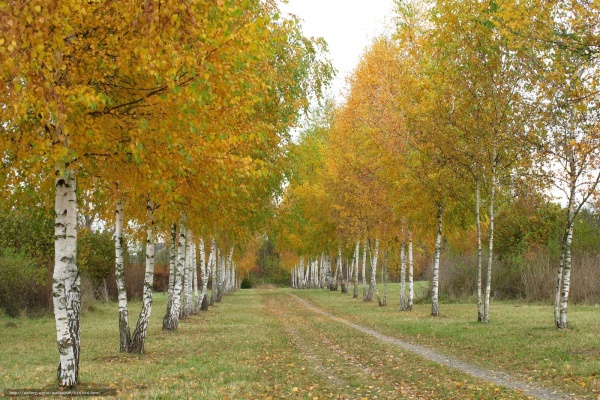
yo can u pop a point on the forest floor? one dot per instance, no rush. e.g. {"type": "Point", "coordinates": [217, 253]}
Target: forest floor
{"type": "Point", "coordinates": [316, 344]}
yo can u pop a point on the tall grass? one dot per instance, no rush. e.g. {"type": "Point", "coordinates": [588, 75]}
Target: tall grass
{"type": "Point", "coordinates": [530, 277]}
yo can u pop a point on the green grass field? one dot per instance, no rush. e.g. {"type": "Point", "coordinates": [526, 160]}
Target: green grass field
{"type": "Point", "coordinates": [520, 338]}
{"type": "Point", "coordinates": [261, 343]}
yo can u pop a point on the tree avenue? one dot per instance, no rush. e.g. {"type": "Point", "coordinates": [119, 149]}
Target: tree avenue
{"type": "Point", "coordinates": [172, 123]}
{"type": "Point", "coordinates": [177, 111]}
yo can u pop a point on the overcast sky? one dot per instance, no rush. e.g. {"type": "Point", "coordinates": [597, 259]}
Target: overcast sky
{"type": "Point", "coordinates": [347, 25]}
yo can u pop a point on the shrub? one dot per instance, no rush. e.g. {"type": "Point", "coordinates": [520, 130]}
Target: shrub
{"type": "Point", "coordinates": [246, 284]}
{"type": "Point", "coordinates": [18, 275]}
{"type": "Point", "coordinates": [95, 254]}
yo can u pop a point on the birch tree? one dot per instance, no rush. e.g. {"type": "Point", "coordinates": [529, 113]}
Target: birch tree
{"type": "Point", "coordinates": [139, 333]}
{"type": "Point", "coordinates": [561, 66]}
{"type": "Point", "coordinates": [172, 277]}
{"type": "Point", "coordinates": [124, 331]}
{"type": "Point", "coordinates": [203, 303]}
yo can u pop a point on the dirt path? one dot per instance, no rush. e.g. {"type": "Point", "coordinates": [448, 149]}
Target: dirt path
{"type": "Point", "coordinates": [495, 377]}
{"type": "Point", "coordinates": [345, 374]}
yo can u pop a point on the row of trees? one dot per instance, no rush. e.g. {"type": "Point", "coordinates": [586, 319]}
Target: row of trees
{"type": "Point", "coordinates": [462, 107]}
{"type": "Point", "coordinates": [164, 112]}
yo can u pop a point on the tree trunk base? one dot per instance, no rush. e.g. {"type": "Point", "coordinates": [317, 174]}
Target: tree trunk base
{"type": "Point", "coordinates": [125, 333]}
{"type": "Point", "coordinates": [137, 345]}
{"type": "Point", "coordinates": [169, 323]}
{"type": "Point", "coordinates": [204, 305]}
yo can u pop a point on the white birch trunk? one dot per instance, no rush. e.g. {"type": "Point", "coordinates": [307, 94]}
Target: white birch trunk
{"type": "Point", "coordinates": [307, 275]}
{"type": "Point", "coordinates": [364, 270]}
{"type": "Point", "coordinates": [373, 283]}
{"type": "Point", "coordinates": [384, 278]}
{"type": "Point", "coordinates": [479, 254]}
{"type": "Point", "coordinates": [65, 280]}
{"type": "Point", "coordinates": [213, 271]}
{"type": "Point", "coordinates": [124, 330]}
{"type": "Point", "coordinates": [339, 278]}
{"type": "Point", "coordinates": [310, 273]}
{"type": "Point", "coordinates": [411, 289]}
{"type": "Point", "coordinates": [173, 320]}
{"type": "Point", "coordinates": [435, 310]}
{"type": "Point", "coordinates": [322, 273]}
{"type": "Point", "coordinates": [203, 276]}
{"type": "Point", "coordinates": [349, 270]}
{"type": "Point", "coordinates": [402, 276]}
{"type": "Point", "coordinates": [226, 276]}
{"type": "Point", "coordinates": [564, 267]}
{"type": "Point", "coordinates": [139, 334]}
{"type": "Point", "coordinates": [327, 268]}
{"type": "Point", "coordinates": [566, 282]}
{"type": "Point", "coordinates": [356, 260]}
{"type": "Point", "coordinates": [338, 269]}
{"type": "Point", "coordinates": [188, 285]}
{"type": "Point", "coordinates": [229, 268]}
{"type": "Point", "coordinates": [196, 303]}
{"type": "Point", "coordinates": [234, 275]}
{"type": "Point", "coordinates": [220, 275]}
{"type": "Point", "coordinates": [488, 282]}
{"type": "Point", "coordinates": [301, 273]}
{"type": "Point", "coordinates": [172, 276]}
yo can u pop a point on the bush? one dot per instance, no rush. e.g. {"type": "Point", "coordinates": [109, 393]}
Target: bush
{"type": "Point", "coordinates": [95, 255]}
{"type": "Point", "coordinates": [246, 284]}
{"type": "Point", "coordinates": [19, 275]}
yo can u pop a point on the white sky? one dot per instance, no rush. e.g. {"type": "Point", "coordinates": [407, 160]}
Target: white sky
{"type": "Point", "coordinates": [346, 25]}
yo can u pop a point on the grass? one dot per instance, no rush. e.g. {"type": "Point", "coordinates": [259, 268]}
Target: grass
{"type": "Point", "coordinates": [260, 343]}
{"type": "Point", "coordinates": [214, 355]}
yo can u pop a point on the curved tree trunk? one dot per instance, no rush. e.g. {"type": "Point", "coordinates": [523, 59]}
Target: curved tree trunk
{"type": "Point", "coordinates": [139, 334]}
{"type": "Point", "coordinates": [65, 279]}
{"type": "Point", "coordinates": [124, 330]}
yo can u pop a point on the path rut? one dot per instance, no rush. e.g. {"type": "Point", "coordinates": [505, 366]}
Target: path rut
{"type": "Point", "coordinates": [495, 377]}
